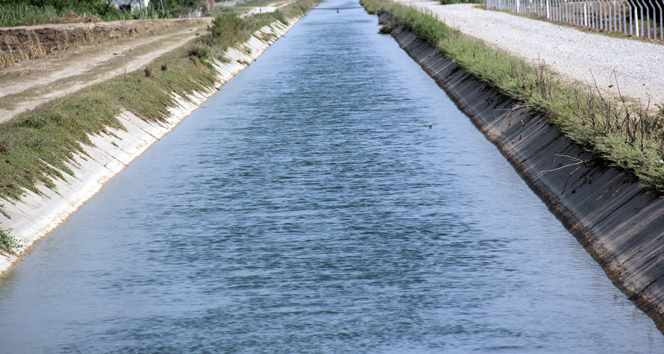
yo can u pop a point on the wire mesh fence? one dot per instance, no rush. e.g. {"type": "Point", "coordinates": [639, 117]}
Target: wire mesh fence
{"type": "Point", "coordinates": [640, 18]}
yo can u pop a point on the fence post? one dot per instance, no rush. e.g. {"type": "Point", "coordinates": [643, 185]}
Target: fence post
{"type": "Point", "coordinates": [566, 11]}
{"type": "Point", "coordinates": [645, 6]}
{"type": "Point", "coordinates": [648, 17]}
{"type": "Point", "coordinates": [629, 15]}
{"type": "Point", "coordinates": [601, 15]}
{"type": "Point", "coordinates": [636, 21]}
{"type": "Point", "coordinates": [585, 15]}
{"type": "Point", "coordinates": [636, 6]}
{"type": "Point", "coordinates": [661, 22]}
{"type": "Point", "coordinates": [616, 26]}
{"type": "Point", "coordinates": [548, 11]}
{"type": "Point", "coordinates": [553, 10]}
{"type": "Point", "coordinates": [641, 22]}
{"type": "Point", "coordinates": [561, 12]}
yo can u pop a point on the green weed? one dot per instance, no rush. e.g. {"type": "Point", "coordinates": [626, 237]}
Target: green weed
{"type": "Point", "coordinates": [8, 244]}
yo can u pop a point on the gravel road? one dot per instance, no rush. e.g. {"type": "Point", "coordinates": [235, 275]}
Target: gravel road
{"type": "Point", "coordinates": [577, 55]}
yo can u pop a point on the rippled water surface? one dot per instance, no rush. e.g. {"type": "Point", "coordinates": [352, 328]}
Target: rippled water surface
{"type": "Point", "coordinates": [308, 208]}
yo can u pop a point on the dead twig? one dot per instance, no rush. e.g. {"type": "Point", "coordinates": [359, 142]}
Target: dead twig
{"type": "Point", "coordinates": [577, 163]}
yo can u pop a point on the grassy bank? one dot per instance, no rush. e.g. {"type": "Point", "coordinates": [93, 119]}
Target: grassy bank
{"type": "Point", "coordinates": [35, 12]}
{"type": "Point", "coordinates": [37, 147]}
{"type": "Point", "coordinates": [622, 132]}
{"type": "Point", "coordinates": [229, 29]}
{"type": "Point", "coordinates": [27, 14]}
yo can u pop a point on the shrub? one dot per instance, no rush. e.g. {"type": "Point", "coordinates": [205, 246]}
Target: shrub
{"type": "Point", "coordinates": [8, 243]}
{"type": "Point", "coordinates": [200, 51]}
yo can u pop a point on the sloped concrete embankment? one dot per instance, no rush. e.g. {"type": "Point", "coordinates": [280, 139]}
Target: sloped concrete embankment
{"type": "Point", "coordinates": [37, 215]}
{"type": "Point", "coordinates": [612, 215]}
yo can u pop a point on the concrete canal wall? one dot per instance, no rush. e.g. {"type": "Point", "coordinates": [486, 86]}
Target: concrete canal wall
{"type": "Point", "coordinates": [611, 214]}
{"type": "Point", "coordinates": [37, 215]}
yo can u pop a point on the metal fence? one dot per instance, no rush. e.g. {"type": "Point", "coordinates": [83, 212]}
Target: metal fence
{"type": "Point", "coordinates": [640, 18]}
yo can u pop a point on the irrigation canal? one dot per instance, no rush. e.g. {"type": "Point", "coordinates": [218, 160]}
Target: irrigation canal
{"type": "Point", "coordinates": [308, 207]}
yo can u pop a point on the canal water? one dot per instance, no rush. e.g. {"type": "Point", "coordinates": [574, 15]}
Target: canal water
{"type": "Point", "coordinates": [308, 208]}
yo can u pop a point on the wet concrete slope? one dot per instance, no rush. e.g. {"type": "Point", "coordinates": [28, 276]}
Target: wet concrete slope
{"type": "Point", "coordinates": [612, 215]}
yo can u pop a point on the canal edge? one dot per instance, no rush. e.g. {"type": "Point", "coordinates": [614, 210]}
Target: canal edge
{"type": "Point", "coordinates": [612, 215]}
{"type": "Point", "coordinates": [37, 216]}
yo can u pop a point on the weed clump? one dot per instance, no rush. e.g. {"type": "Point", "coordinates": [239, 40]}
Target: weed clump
{"type": "Point", "coordinates": [200, 51]}
{"type": "Point", "coordinates": [8, 243]}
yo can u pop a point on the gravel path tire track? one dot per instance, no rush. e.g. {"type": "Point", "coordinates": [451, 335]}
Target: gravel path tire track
{"type": "Point", "coordinates": [635, 67]}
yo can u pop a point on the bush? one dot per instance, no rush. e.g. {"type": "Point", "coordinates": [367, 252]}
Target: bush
{"type": "Point", "coordinates": [8, 244]}
{"type": "Point", "coordinates": [200, 51]}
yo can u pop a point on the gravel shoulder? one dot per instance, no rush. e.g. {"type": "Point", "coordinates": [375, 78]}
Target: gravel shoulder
{"type": "Point", "coordinates": [636, 68]}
